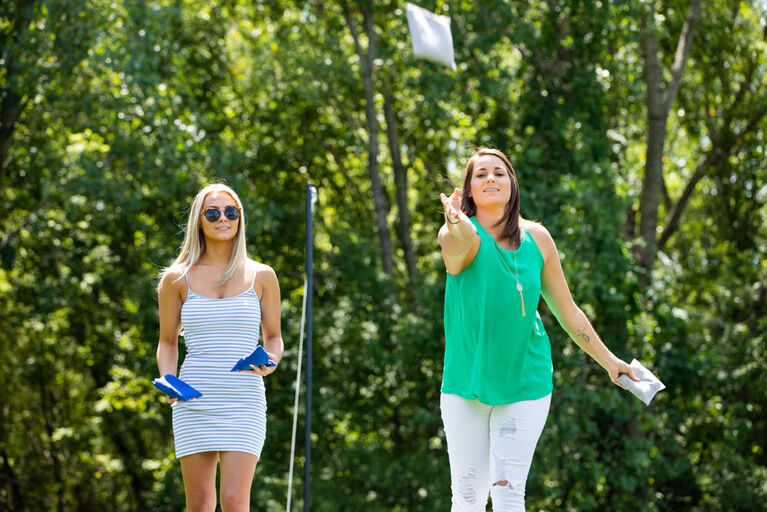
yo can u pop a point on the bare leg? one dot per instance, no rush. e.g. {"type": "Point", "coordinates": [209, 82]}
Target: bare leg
{"type": "Point", "coordinates": [237, 470]}
{"type": "Point", "coordinates": [199, 472]}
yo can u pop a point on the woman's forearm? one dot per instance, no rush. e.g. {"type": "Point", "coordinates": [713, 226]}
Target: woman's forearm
{"type": "Point", "coordinates": [275, 346]}
{"type": "Point", "coordinates": [583, 334]}
{"type": "Point", "coordinates": [462, 230]}
{"type": "Point", "coordinates": [167, 357]}
{"type": "Point", "coordinates": [456, 239]}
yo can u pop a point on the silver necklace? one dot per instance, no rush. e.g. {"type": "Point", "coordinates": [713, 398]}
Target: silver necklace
{"type": "Point", "coordinates": [516, 275]}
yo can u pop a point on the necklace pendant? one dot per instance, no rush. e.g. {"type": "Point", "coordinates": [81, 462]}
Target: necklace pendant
{"type": "Point", "coordinates": [519, 287]}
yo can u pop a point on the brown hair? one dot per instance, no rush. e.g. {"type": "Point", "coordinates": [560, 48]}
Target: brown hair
{"type": "Point", "coordinates": [511, 217]}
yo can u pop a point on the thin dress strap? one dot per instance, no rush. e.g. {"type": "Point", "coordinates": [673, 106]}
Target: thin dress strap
{"type": "Point", "coordinates": [253, 284]}
{"type": "Point", "coordinates": [188, 286]}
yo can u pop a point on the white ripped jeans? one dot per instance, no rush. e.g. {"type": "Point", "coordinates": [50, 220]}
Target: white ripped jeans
{"type": "Point", "coordinates": [491, 444]}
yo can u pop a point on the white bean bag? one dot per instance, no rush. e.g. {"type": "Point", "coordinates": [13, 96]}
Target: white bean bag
{"type": "Point", "coordinates": [431, 35]}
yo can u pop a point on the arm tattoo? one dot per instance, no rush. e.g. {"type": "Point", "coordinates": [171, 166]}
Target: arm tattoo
{"type": "Point", "coordinates": [582, 334]}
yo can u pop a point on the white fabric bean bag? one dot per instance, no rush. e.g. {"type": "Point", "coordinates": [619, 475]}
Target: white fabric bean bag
{"type": "Point", "coordinates": [431, 35]}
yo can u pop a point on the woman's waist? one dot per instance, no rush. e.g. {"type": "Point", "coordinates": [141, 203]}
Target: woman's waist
{"type": "Point", "coordinates": [214, 380]}
{"type": "Point", "coordinates": [500, 331]}
{"type": "Point", "coordinates": [228, 399]}
{"type": "Point", "coordinates": [220, 338]}
{"type": "Point", "coordinates": [215, 354]}
{"type": "Point", "coordinates": [493, 347]}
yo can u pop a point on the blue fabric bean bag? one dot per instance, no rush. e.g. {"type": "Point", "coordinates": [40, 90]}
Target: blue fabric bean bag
{"type": "Point", "coordinates": [258, 357]}
{"type": "Point", "coordinates": [176, 388]}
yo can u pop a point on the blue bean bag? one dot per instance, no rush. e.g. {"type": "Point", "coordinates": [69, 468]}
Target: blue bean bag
{"type": "Point", "coordinates": [258, 357]}
{"type": "Point", "coordinates": [176, 388]}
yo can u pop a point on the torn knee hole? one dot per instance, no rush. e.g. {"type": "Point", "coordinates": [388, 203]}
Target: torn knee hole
{"type": "Point", "coordinates": [501, 476]}
{"type": "Point", "coordinates": [466, 485]}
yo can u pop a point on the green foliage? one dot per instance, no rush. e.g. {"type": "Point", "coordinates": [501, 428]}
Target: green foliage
{"type": "Point", "coordinates": [125, 109]}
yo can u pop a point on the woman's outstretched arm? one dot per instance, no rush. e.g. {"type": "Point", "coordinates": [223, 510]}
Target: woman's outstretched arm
{"type": "Point", "coordinates": [457, 237]}
{"type": "Point", "coordinates": [556, 293]}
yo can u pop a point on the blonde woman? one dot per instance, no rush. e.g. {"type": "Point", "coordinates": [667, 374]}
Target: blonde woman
{"type": "Point", "coordinates": [222, 298]}
{"type": "Point", "coordinates": [497, 378]}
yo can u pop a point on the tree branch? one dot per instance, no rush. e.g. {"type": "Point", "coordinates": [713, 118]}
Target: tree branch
{"type": "Point", "coordinates": [682, 53]}
{"type": "Point", "coordinates": [675, 213]}
{"type": "Point", "coordinates": [366, 64]}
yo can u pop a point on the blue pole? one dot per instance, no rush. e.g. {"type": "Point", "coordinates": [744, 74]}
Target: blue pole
{"type": "Point", "coordinates": [311, 198]}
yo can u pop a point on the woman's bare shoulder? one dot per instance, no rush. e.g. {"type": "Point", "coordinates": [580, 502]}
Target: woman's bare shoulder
{"type": "Point", "coordinates": [541, 235]}
{"type": "Point", "coordinates": [258, 267]}
{"type": "Point", "coordinates": [264, 275]}
{"type": "Point", "coordinates": [533, 227]}
{"type": "Point", "coordinates": [172, 281]}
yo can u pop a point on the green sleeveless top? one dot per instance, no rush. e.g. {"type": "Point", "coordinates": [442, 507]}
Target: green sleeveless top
{"type": "Point", "coordinates": [492, 353]}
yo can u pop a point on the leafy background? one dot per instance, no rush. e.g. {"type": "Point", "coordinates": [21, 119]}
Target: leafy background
{"type": "Point", "coordinates": [650, 176]}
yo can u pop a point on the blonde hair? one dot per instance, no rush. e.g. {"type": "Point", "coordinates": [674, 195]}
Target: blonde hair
{"type": "Point", "coordinates": [194, 240]}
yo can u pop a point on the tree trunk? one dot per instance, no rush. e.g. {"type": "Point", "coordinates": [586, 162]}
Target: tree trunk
{"type": "Point", "coordinates": [10, 111]}
{"type": "Point", "coordinates": [400, 183]}
{"type": "Point", "coordinates": [652, 185]}
{"type": "Point", "coordinates": [13, 497]}
{"type": "Point", "coordinates": [12, 105]}
{"type": "Point", "coordinates": [658, 107]}
{"type": "Point", "coordinates": [366, 64]}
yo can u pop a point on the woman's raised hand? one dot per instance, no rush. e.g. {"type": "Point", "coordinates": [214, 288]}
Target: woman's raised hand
{"type": "Point", "coordinates": [452, 206]}
{"type": "Point", "coordinates": [458, 235]}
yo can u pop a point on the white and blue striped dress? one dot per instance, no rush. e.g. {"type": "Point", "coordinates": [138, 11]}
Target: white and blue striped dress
{"type": "Point", "coordinates": [231, 415]}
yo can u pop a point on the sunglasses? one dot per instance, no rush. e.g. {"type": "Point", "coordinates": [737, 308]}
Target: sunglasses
{"type": "Point", "coordinates": [230, 212]}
